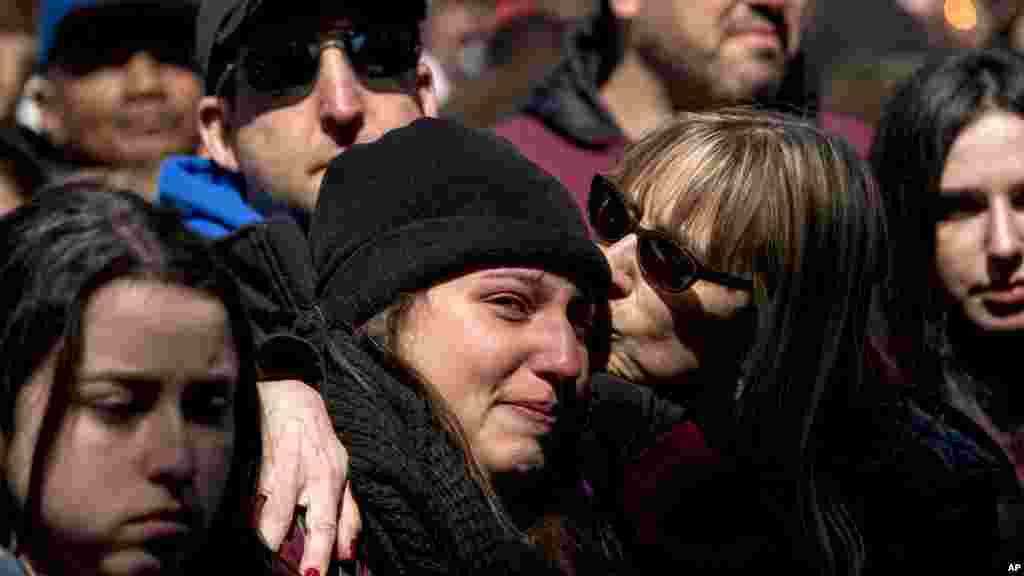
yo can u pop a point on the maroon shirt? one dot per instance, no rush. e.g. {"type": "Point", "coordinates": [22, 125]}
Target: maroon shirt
{"type": "Point", "coordinates": [574, 166]}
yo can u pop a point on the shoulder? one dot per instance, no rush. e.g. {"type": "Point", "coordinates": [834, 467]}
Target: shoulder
{"type": "Point", "coordinates": [931, 474]}
{"type": "Point", "coordinates": [526, 130]}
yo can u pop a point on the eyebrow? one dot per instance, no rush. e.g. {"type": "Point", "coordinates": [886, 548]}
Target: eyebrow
{"type": "Point", "coordinates": [131, 378]}
{"type": "Point", "coordinates": [533, 278]}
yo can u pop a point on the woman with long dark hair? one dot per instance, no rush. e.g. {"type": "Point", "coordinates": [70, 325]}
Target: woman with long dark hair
{"type": "Point", "coordinates": [129, 423]}
{"type": "Point", "coordinates": [949, 156]}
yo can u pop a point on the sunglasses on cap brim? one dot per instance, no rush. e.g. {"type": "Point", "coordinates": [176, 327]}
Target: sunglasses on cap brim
{"type": "Point", "coordinates": [665, 264]}
{"type": "Point", "coordinates": [382, 54]}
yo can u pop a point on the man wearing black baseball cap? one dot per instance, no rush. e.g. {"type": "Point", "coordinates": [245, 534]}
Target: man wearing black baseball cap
{"type": "Point", "coordinates": [290, 85]}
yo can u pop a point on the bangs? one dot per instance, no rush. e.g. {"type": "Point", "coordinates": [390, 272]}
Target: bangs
{"type": "Point", "coordinates": [704, 194]}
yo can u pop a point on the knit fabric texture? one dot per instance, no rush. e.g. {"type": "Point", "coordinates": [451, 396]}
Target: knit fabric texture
{"type": "Point", "coordinates": [430, 201]}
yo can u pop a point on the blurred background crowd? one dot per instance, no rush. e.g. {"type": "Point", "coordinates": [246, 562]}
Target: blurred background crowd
{"type": "Point", "coordinates": [487, 56]}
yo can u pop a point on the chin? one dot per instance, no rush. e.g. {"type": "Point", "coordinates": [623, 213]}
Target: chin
{"type": "Point", "coordinates": [756, 80]}
{"type": "Point", "coordinates": [1008, 324]}
{"type": "Point", "coordinates": [150, 150]}
{"type": "Point", "coordinates": [133, 562]}
{"type": "Point", "coordinates": [521, 461]}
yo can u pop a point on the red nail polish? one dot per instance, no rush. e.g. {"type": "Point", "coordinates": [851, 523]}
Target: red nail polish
{"type": "Point", "coordinates": [311, 572]}
{"type": "Point", "coordinates": [353, 550]}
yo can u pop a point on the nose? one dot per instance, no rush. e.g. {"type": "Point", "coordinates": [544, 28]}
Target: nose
{"type": "Point", "coordinates": [340, 98]}
{"type": "Point", "coordinates": [621, 257]}
{"type": "Point", "coordinates": [142, 75]}
{"type": "Point", "coordinates": [1004, 239]}
{"type": "Point", "coordinates": [168, 454]}
{"type": "Point", "coordinates": [561, 356]}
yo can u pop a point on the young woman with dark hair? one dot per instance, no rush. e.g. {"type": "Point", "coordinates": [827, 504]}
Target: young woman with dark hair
{"type": "Point", "coordinates": [127, 386]}
{"type": "Point", "coordinates": [949, 155]}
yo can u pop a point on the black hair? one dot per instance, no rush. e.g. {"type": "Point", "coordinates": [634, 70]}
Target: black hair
{"type": "Point", "coordinates": [56, 251]}
{"type": "Point", "coordinates": [919, 125]}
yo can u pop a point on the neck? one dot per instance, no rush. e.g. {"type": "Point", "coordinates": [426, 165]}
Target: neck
{"type": "Point", "coordinates": [141, 179]}
{"type": "Point", "coordinates": [980, 383]}
{"type": "Point", "coordinates": [636, 97]}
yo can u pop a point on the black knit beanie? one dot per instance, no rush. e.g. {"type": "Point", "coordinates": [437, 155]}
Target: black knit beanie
{"type": "Point", "coordinates": [434, 199]}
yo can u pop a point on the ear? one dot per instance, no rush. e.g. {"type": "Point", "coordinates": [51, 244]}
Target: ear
{"type": "Point", "coordinates": [626, 9]}
{"type": "Point", "coordinates": [216, 132]}
{"type": "Point", "coordinates": [425, 92]}
{"type": "Point", "coordinates": [51, 112]}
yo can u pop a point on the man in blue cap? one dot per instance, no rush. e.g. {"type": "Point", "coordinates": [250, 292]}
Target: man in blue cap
{"type": "Point", "coordinates": [121, 92]}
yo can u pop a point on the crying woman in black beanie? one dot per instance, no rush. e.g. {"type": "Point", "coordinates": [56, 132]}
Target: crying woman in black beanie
{"type": "Point", "coordinates": [466, 273]}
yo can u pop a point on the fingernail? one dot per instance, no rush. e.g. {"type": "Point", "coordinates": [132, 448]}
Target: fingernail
{"type": "Point", "coordinates": [311, 572]}
{"type": "Point", "coordinates": [353, 548]}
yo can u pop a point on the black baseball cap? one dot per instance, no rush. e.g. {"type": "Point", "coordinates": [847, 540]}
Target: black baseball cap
{"type": "Point", "coordinates": [221, 23]}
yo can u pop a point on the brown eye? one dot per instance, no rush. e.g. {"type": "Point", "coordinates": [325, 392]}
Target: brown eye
{"type": "Point", "coordinates": [511, 306]}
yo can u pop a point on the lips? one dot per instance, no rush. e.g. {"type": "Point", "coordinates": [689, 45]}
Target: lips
{"type": "Point", "coordinates": [163, 524]}
{"type": "Point", "coordinates": [1005, 301]}
{"type": "Point", "coordinates": [540, 413]}
{"type": "Point", "coordinates": [147, 120]}
{"type": "Point", "coordinates": [766, 27]}
{"type": "Point", "coordinates": [766, 34]}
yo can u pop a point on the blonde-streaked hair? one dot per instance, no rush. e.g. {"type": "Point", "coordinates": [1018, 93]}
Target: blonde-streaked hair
{"type": "Point", "coordinates": [772, 197]}
{"type": "Point", "coordinates": [742, 183]}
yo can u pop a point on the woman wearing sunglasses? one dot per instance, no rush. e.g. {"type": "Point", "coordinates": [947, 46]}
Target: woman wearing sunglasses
{"type": "Point", "coordinates": [743, 245]}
